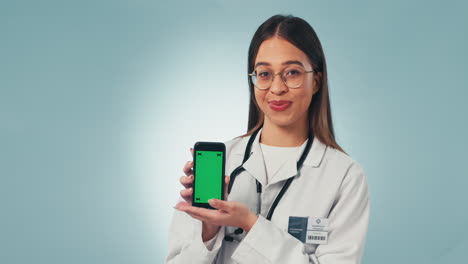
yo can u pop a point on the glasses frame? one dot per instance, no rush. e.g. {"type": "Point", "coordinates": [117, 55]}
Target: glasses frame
{"type": "Point", "coordinates": [273, 78]}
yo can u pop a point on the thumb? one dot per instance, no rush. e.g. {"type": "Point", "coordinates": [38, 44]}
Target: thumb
{"type": "Point", "coordinates": [220, 204]}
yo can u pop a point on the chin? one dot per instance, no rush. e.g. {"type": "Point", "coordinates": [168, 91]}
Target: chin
{"type": "Point", "coordinates": [282, 121]}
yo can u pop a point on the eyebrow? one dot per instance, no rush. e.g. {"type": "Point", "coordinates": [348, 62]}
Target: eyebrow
{"type": "Point", "coordinates": [289, 62]}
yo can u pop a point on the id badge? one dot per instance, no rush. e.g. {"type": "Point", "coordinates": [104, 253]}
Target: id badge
{"type": "Point", "coordinates": [310, 230]}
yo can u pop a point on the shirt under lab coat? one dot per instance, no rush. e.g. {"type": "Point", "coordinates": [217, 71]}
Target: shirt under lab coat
{"type": "Point", "coordinates": [330, 185]}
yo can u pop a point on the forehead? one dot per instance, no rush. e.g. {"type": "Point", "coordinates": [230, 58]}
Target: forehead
{"type": "Point", "coordinates": [277, 50]}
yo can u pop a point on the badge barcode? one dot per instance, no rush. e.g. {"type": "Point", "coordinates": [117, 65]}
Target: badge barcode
{"type": "Point", "coordinates": [316, 237]}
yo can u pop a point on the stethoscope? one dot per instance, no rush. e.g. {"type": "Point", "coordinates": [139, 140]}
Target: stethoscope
{"type": "Point", "coordinates": [231, 236]}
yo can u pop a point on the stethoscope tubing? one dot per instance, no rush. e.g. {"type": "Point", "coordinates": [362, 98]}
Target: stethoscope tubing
{"type": "Point", "coordinates": [285, 187]}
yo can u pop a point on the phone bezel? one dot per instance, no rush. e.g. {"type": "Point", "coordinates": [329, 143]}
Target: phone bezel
{"type": "Point", "coordinates": [208, 146]}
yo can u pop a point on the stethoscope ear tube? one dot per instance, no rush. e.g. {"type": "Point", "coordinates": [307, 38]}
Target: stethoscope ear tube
{"type": "Point", "coordinates": [233, 176]}
{"type": "Point", "coordinates": [247, 153]}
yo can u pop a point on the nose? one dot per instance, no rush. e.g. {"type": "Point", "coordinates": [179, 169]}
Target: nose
{"type": "Point", "coordinates": [278, 86]}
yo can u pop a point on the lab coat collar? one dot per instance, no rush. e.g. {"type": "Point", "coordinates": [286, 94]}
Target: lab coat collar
{"type": "Point", "coordinates": [255, 165]}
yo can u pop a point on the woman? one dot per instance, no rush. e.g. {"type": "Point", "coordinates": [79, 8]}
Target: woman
{"type": "Point", "coordinates": [297, 197]}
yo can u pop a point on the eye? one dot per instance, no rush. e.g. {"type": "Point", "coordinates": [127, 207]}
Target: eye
{"type": "Point", "coordinates": [293, 72]}
{"type": "Point", "coordinates": [263, 74]}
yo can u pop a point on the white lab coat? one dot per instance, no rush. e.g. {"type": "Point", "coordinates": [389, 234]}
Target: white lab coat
{"type": "Point", "coordinates": [330, 184]}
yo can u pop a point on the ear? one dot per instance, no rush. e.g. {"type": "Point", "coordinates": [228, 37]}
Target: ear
{"type": "Point", "coordinates": [317, 82]}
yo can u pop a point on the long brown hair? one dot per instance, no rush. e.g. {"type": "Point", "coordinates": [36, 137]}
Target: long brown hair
{"type": "Point", "coordinates": [299, 33]}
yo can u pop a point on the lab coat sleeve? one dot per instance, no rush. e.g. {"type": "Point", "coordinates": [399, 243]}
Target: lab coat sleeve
{"type": "Point", "coordinates": [210, 243]}
{"type": "Point", "coordinates": [348, 224]}
{"type": "Point", "coordinates": [186, 244]}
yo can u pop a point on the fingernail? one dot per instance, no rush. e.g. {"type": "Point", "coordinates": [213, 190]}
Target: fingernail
{"type": "Point", "coordinates": [212, 201]}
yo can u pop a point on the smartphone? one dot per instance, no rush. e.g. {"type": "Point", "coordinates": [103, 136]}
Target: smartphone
{"type": "Point", "coordinates": [208, 170]}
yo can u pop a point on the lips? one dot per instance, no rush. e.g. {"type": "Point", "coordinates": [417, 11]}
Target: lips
{"type": "Point", "coordinates": [279, 105]}
{"type": "Point", "coordinates": [279, 102]}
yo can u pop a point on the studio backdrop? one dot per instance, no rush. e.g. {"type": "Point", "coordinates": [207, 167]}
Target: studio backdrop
{"type": "Point", "coordinates": [100, 102]}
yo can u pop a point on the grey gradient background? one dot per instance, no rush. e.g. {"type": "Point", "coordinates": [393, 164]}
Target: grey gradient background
{"type": "Point", "coordinates": [100, 102]}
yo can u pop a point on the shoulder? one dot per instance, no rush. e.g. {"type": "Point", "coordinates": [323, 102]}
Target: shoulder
{"type": "Point", "coordinates": [340, 158]}
{"type": "Point", "coordinates": [236, 145]}
{"type": "Point", "coordinates": [344, 165]}
{"type": "Point", "coordinates": [235, 149]}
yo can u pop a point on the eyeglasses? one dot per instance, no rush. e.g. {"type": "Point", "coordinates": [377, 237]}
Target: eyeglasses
{"type": "Point", "coordinates": [292, 78]}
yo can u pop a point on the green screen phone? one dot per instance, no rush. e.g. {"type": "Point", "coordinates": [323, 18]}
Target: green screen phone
{"type": "Point", "coordinates": [208, 170]}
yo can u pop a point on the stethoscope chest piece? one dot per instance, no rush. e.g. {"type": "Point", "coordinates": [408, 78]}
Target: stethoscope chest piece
{"type": "Point", "coordinates": [235, 235]}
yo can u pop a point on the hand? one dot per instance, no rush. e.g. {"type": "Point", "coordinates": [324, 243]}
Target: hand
{"type": "Point", "coordinates": [230, 213]}
{"type": "Point", "coordinates": [187, 181]}
{"type": "Point", "coordinates": [208, 230]}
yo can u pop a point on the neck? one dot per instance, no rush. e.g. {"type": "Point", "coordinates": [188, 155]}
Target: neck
{"type": "Point", "coordinates": [284, 136]}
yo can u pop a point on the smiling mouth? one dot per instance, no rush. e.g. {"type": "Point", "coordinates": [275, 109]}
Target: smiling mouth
{"type": "Point", "coordinates": [279, 105]}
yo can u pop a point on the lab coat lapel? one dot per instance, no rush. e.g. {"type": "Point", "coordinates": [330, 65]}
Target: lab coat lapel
{"type": "Point", "coordinates": [289, 168]}
{"type": "Point", "coordinates": [255, 165]}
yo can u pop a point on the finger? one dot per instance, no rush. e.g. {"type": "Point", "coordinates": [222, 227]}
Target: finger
{"type": "Point", "coordinates": [198, 211]}
{"type": "Point", "coordinates": [199, 216]}
{"type": "Point", "coordinates": [187, 194]}
{"type": "Point", "coordinates": [226, 180]}
{"type": "Point", "coordinates": [188, 168]}
{"type": "Point", "coordinates": [203, 219]}
{"type": "Point", "coordinates": [216, 217]}
{"type": "Point", "coordinates": [191, 151]}
{"type": "Point", "coordinates": [222, 205]}
{"type": "Point", "coordinates": [186, 181]}
{"type": "Point", "coordinates": [181, 205]}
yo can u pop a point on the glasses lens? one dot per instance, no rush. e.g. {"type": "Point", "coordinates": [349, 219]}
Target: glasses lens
{"type": "Point", "coordinates": [261, 78]}
{"type": "Point", "coordinates": [294, 77]}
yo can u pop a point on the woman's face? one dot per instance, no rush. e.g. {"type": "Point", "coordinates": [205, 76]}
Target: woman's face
{"type": "Point", "coordinates": [278, 55]}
